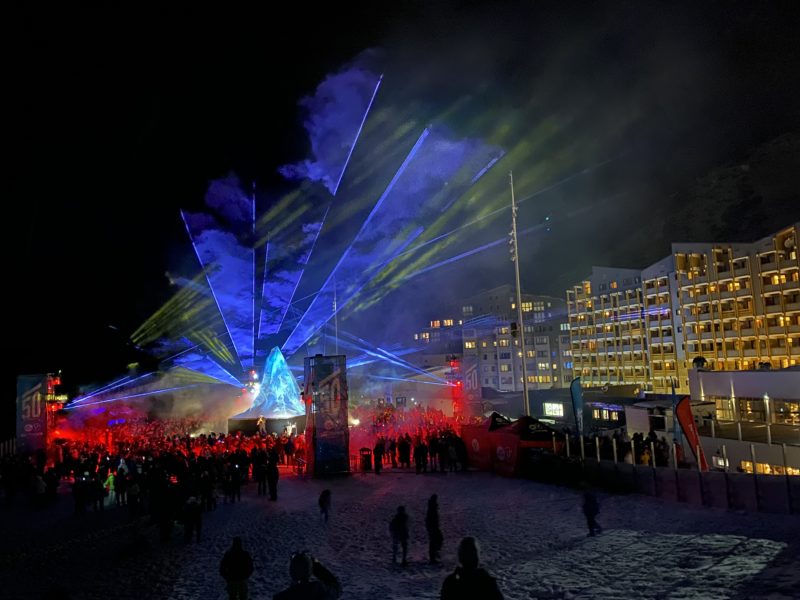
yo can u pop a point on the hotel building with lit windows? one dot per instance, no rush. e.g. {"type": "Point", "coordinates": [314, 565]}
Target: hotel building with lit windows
{"type": "Point", "coordinates": [606, 326]}
{"type": "Point", "coordinates": [741, 302]}
{"type": "Point", "coordinates": [735, 305]}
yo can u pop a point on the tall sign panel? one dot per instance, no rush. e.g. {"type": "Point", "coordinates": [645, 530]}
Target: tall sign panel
{"type": "Point", "coordinates": [31, 412]}
{"type": "Point", "coordinates": [326, 400]}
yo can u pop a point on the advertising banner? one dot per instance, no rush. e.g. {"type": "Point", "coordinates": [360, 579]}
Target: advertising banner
{"type": "Point", "coordinates": [327, 428]}
{"type": "Point", "coordinates": [576, 392]}
{"type": "Point", "coordinates": [683, 413]}
{"type": "Point", "coordinates": [31, 412]}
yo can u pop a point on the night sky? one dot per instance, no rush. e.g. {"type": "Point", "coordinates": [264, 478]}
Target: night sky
{"type": "Point", "coordinates": [116, 118]}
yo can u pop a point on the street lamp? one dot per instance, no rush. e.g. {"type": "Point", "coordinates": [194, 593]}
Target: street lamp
{"type": "Point", "coordinates": [521, 328]}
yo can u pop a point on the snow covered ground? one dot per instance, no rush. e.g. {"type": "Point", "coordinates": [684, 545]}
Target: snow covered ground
{"type": "Point", "coordinates": [533, 539]}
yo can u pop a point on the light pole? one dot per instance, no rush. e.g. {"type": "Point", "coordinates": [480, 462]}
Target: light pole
{"type": "Point", "coordinates": [521, 328]}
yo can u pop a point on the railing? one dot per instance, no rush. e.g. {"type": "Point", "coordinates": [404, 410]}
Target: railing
{"type": "Point", "coordinates": [8, 447]}
{"type": "Point", "coordinates": [611, 465]}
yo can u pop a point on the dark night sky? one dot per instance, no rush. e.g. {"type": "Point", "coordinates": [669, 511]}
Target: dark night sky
{"type": "Point", "coordinates": [115, 118]}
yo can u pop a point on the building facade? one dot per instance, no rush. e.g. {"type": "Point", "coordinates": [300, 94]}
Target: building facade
{"type": "Point", "coordinates": [494, 353]}
{"type": "Point", "coordinates": [735, 306]}
{"type": "Point", "coordinates": [741, 302]}
{"type": "Point", "coordinates": [607, 331]}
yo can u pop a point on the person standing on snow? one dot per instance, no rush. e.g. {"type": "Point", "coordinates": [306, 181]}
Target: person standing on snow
{"type": "Point", "coordinates": [398, 527]}
{"type": "Point", "coordinates": [435, 537]}
{"type": "Point", "coordinates": [236, 568]}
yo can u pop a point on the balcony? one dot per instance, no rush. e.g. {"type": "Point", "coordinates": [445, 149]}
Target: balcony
{"type": "Point", "coordinates": [775, 308]}
{"type": "Point", "coordinates": [793, 307]}
{"type": "Point", "coordinates": [749, 352]}
{"type": "Point", "coordinates": [741, 271]}
{"type": "Point", "coordinates": [768, 267]}
{"type": "Point", "coordinates": [771, 288]}
{"type": "Point", "coordinates": [793, 328]}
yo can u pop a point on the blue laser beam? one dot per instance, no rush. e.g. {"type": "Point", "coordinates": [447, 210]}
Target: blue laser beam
{"type": "Point", "coordinates": [211, 287]}
{"type": "Point", "coordinates": [358, 133]}
{"type": "Point", "coordinates": [318, 307]}
{"type": "Point", "coordinates": [263, 289]}
{"type": "Point", "coordinates": [387, 378]}
{"type": "Point", "coordinates": [507, 206]}
{"type": "Point", "coordinates": [389, 356]}
{"type": "Point", "coordinates": [458, 257]}
{"type": "Point", "coordinates": [109, 388]}
{"type": "Point", "coordinates": [308, 257]}
{"type": "Point", "coordinates": [153, 393]}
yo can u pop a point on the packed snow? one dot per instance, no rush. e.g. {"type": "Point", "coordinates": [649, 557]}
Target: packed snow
{"type": "Point", "coordinates": [533, 539]}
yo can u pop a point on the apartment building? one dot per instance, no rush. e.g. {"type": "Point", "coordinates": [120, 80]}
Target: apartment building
{"type": "Point", "coordinates": [608, 337]}
{"type": "Point", "coordinates": [666, 355]}
{"type": "Point", "coordinates": [493, 354]}
{"type": "Point", "coordinates": [741, 302]}
{"type": "Point", "coordinates": [736, 306]}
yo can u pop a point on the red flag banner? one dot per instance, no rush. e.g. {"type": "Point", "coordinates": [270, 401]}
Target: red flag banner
{"type": "Point", "coordinates": [683, 412]}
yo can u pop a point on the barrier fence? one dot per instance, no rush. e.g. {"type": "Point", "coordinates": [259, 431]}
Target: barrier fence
{"type": "Point", "coordinates": [571, 463]}
{"type": "Point", "coordinates": [8, 447]}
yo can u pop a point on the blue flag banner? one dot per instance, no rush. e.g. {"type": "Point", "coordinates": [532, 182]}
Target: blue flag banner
{"type": "Point", "coordinates": [576, 392]}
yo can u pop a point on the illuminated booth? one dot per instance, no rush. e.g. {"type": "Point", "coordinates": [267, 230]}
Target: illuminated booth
{"type": "Point", "coordinates": [327, 429]}
{"type": "Point", "coordinates": [504, 446]}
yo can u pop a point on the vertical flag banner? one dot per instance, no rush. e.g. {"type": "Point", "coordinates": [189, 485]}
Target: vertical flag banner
{"type": "Point", "coordinates": [31, 412]}
{"type": "Point", "coordinates": [576, 392]}
{"type": "Point", "coordinates": [683, 412]}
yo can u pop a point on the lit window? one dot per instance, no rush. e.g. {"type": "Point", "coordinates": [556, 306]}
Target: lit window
{"type": "Point", "coordinates": [470, 344]}
{"type": "Point", "coordinates": [505, 368]}
{"type": "Point", "coordinates": [448, 322]}
{"type": "Point", "coordinates": [436, 324]}
{"type": "Point", "coordinates": [613, 285]}
{"type": "Point", "coordinates": [466, 310]}
{"type": "Point", "coordinates": [527, 306]}
{"type": "Point", "coordinates": [614, 415]}
{"type": "Point", "coordinates": [484, 344]}
{"type": "Point", "coordinates": [553, 409]}
{"type": "Point", "coordinates": [504, 343]}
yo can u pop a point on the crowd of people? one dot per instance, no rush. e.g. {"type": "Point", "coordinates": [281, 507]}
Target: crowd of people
{"type": "Point", "coordinates": [162, 469]}
{"type": "Point", "coordinates": [395, 438]}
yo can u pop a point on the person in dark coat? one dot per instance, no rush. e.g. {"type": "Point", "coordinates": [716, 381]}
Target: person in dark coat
{"type": "Point", "coordinates": [377, 454]}
{"type": "Point", "coordinates": [398, 527]}
{"type": "Point", "coordinates": [272, 474]}
{"type": "Point", "coordinates": [325, 504]}
{"type": "Point", "coordinates": [468, 580]}
{"type": "Point", "coordinates": [435, 537]}
{"type": "Point", "coordinates": [302, 567]}
{"type": "Point", "coordinates": [260, 470]}
{"type": "Point", "coordinates": [192, 519]}
{"type": "Point", "coordinates": [421, 456]}
{"type": "Point", "coordinates": [590, 510]}
{"type": "Point", "coordinates": [236, 568]}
